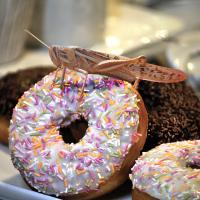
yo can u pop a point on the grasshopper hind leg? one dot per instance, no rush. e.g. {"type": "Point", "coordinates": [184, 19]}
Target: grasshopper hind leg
{"type": "Point", "coordinates": [136, 83]}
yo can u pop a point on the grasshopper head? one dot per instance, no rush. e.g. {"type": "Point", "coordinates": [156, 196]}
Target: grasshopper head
{"type": "Point", "coordinates": [54, 55]}
{"type": "Point", "coordinates": [62, 56]}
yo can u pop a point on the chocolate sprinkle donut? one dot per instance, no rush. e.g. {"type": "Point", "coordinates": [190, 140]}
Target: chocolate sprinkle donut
{"type": "Point", "coordinates": [13, 85]}
{"type": "Point", "coordinates": [174, 113]}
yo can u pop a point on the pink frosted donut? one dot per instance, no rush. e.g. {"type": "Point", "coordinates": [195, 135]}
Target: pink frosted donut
{"type": "Point", "coordinates": [94, 165]}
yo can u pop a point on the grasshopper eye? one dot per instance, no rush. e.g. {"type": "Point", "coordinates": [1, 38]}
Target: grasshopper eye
{"type": "Point", "coordinates": [63, 56]}
{"type": "Point", "coordinates": [67, 57]}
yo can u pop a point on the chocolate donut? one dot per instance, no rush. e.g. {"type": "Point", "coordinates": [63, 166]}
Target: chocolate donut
{"type": "Point", "coordinates": [12, 86]}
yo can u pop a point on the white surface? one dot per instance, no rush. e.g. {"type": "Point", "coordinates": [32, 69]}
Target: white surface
{"type": "Point", "coordinates": [185, 10]}
{"type": "Point", "coordinates": [133, 27]}
{"type": "Point", "coordinates": [70, 22]}
{"type": "Point", "coordinates": [184, 53]}
{"type": "Point", "coordinates": [11, 192]}
{"type": "Point", "coordinates": [182, 47]}
{"type": "Point", "coordinates": [28, 59]}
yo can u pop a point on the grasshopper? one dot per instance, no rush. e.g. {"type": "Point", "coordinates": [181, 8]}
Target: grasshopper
{"type": "Point", "coordinates": [93, 62]}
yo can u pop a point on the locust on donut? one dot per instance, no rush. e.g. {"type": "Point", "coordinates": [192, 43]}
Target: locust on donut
{"type": "Point", "coordinates": [117, 123]}
{"type": "Point", "coordinates": [93, 62]}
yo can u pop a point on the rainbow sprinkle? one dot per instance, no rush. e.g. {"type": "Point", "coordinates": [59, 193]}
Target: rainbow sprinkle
{"type": "Point", "coordinates": [169, 171]}
{"type": "Point", "coordinates": [38, 150]}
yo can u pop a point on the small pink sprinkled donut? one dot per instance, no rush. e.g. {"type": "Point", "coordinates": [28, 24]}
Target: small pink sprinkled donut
{"type": "Point", "coordinates": [100, 161]}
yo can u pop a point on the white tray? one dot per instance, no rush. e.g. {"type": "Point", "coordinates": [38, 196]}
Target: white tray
{"type": "Point", "coordinates": [184, 53]}
{"type": "Point", "coordinates": [12, 186]}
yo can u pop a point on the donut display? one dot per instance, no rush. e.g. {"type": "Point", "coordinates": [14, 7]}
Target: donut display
{"type": "Point", "coordinates": [12, 86]}
{"type": "Point", "coordinates": [169, 171]}
{"type": "Point", "coordinates": [100, 161]}
{"type": "Point", "coordinates": [90, 85]}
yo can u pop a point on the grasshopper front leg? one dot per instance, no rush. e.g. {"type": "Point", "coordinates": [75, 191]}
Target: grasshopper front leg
{"type": "Point", "coordinates": [84, 83]}
{"type": "Point", "coordinates": [62, 78]}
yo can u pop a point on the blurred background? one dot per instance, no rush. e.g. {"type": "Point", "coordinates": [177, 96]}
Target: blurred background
{"type": "Point", "coordinates": [167, 32]}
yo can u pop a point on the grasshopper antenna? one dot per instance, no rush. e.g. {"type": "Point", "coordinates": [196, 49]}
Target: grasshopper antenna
{"type": "Point", "coordinates": [31, 34]}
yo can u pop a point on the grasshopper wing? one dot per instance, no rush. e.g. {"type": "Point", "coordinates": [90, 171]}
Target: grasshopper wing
{"type": "Point", "coordinates": [155, 73]}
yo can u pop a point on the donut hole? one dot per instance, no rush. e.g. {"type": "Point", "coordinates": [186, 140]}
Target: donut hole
{"type": "Point", "coordinates": [193, 165]}
{"type": "Point", "coordinates": [74, 132]}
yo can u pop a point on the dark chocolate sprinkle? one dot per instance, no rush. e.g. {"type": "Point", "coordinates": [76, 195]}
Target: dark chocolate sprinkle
{"type": "Point", "coordinates": [173, 110]}
{"type": "Point", "coordinates": [13, 85]}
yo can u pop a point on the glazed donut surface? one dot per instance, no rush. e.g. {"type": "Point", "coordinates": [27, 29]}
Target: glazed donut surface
{"type": "Point", "coordinates": [169, 171]}
{"type": "Point", "coordinates": [38, 151]}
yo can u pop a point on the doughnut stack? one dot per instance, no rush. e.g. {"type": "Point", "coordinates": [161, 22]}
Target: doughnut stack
{"type": "Point", "coordinates": [99, 162]}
